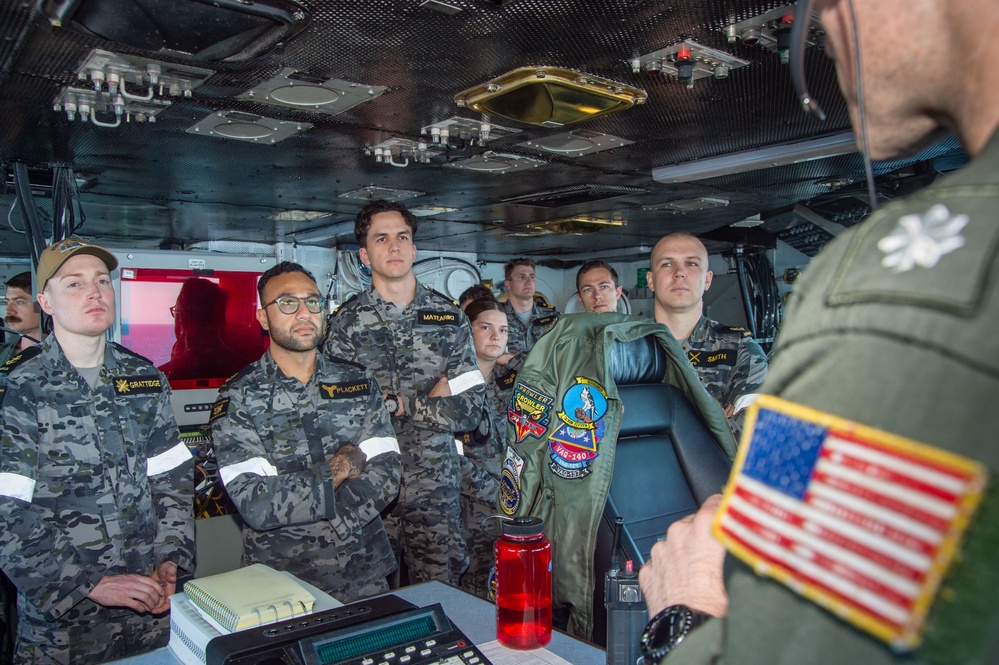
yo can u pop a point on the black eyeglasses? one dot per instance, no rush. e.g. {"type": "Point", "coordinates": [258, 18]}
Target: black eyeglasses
{"type": "Point", "coordinates": [290, 304]}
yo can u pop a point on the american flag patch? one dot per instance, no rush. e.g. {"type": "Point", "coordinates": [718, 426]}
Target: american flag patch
{"type": "Point", "coordinates": [858, 520]}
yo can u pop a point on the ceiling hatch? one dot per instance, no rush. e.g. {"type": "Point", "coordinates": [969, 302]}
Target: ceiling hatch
{"type": "Point", "coordinates": [208, 30]}
{"type": "Point", "coordinates": [550, 96]}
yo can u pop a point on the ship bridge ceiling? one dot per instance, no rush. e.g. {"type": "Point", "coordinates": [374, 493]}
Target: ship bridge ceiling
{"type": "Point", "coordinates": [529, 127]}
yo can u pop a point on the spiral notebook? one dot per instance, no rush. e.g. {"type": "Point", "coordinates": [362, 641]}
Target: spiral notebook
{"type": "Point", "coordinates": [248, 597]}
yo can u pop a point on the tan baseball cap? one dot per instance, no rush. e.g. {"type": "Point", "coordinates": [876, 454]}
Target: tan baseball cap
{"type": "Point", "coordinates": [54, 256]}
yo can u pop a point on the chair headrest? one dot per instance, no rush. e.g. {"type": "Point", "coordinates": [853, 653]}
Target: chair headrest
{"type": "Point", "coordinates": [639, 361]}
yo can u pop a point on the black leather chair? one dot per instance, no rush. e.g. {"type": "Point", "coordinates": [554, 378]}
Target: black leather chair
{"type": "Point", "coordinates": [665, 465]}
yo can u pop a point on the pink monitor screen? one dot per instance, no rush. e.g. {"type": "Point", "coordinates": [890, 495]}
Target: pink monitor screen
{"type": "Point", "coordinates": [200, 329]}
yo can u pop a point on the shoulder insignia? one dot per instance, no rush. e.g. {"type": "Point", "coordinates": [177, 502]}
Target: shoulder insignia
{"type": "Point", "coordinates": [731, 330]}
{"type": "Point", "coordinates": [440, 295]}
{"type": "Point", "coordinates": [237, 376]}
{"type": "Point", "coordinates": [336, 310]}
{"type": "Point", "coordinates": [922, 240]}
{"type": "Point", "coordinates": [16, 360]}
{"type": "Point", "coordinates": [507, 379]}
{"type": "Point", "coordinates": [860, 521]}
{"type": "Point", "coordinates": [343, 361]}
{"type": "Point", "coordinates": [219, 409]}
{"type": "Point", "coordinates": [129, 352]}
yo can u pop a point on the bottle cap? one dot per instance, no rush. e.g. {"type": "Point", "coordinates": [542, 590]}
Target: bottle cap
{"type": "Point", "coordinates": [523, 526]}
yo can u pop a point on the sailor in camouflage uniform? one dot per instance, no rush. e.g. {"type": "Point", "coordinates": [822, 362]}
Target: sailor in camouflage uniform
{"type": "Point", "coordinates": [418, 345]}
{"type": "Point", "coordinates": [306, 450]}
{"type": "Point", "coordinates": [96, 488]}
{"type": "Point", "coordinates": [729, 362]}
{"type": "Point", "coordinates": [484, 447]}
{"type": "Point", "coordinates": [520, 283]}
{"type": "Point", "coordinates": [21, 315]}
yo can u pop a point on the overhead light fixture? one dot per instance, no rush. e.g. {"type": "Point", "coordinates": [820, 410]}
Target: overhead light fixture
{"type": "Point", "coordinates": [242, 126]}
{"type": "Point", "coordinates": [430, 210]}
{"type": "Point", "coordinates": [689, 205]}
{"type": "Point", "coordinates": [550, 96]}
{"type": "Point", "coordinates": [497, 162]}
{"type": "Point", "coordinates": [297, 215]}
{"type": "Point", "coordinates": [581, 224]}
{"type": "Point", "coordinates": [751, 160]}
{"type": "Point", "coordinates": [372, 192]}
{"type": "Point", "coordinates": [576, 143]}
{"type": "Point", "coordinates": [293, 89]}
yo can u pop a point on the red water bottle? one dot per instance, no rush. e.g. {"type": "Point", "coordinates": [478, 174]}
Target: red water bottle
{"type": "Point", "coordinates": [523, 584]}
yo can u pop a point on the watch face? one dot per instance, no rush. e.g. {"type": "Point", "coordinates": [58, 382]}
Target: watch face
{"type": "Point", "coordinates": [666, 630]}
{"type": "Point", "coordinates": [392, 405]}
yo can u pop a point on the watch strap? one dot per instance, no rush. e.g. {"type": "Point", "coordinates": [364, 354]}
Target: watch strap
{"type": "Point", "coordinates": [667, 629]}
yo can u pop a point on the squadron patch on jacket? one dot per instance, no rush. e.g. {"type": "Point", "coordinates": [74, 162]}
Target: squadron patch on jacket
{"type": "Point", "coordinates": [509, 490]}
{"type": "Point", "coordinates": [345, 390]}
{"type": "Point", "coordinates": [859, 521]}
{"type": "Point", "coordinates": [145, 384]}
{"type": "Point", "coordinates": [573, 443]}
{"type": "Point", "coordinates": [431, 317]}
{"type": "Point", "coordinates": [529, 412]}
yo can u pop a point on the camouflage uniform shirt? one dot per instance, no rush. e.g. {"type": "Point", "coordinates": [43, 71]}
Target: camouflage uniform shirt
{"type": "Point", "coordinates": [522, 338]}
{"type": "Point", "coordinates": [274, 437]}
{"type": "Point", "coordinates": [729, 362]}
{"type": "Point", "coordinates": [93, 482]}
{"type": "Point", "coordinates": [484, 449]}
{"type": "Point", "coordinates": [408, 349]}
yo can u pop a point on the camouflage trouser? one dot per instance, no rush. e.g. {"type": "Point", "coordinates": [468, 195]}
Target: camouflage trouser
{"type": "Point", "coordinates": [90, 635]}
{"type": "Point", "coordinates": [426, 520]}
{"type": "Point", "coordinates": [480, 541]}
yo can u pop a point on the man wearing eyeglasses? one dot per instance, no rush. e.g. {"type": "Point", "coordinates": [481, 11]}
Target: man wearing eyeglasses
{"type": "Point", "coordinates": [306, 450]}
{"type": "Point", "coordinates": [21, 315]}
{"type": "Point", "coordinates": [419, 346]}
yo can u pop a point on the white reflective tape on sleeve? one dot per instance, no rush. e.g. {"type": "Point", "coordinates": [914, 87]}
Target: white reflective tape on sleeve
{"type": "Point", "coordinates": [168, 461]}
{"type": "Point", "coordinates": [378, 445]}
{"type": "Point", "coordinates": [745, 401]}
{"type": "Point", "coordinates": [460, 447]}
{"type": "Point", "coordinates": [17, 486]}
{"type": "Point", "coordinates": [460, 384]}
{"type": "Point", "coordinates": [256, 466]}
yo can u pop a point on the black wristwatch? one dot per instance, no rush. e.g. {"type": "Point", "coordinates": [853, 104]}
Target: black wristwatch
{"type": "Point", "coordinates": [392, 404]}
{"type": "Point", "coordinates": [667, 629]}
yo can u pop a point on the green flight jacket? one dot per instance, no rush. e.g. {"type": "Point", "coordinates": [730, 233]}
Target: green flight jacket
{"type": "Point", "coordinates": [565, 392]}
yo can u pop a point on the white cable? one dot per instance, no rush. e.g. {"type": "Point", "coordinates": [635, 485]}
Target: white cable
{"type": "Point", "coordinates": [134, 98]}
{"type": "Point", "coordinates": [99, 123]}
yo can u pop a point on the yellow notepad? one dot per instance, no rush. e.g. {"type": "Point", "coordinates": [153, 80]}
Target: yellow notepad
{"type": "Point", "coordinates": [249, 597]}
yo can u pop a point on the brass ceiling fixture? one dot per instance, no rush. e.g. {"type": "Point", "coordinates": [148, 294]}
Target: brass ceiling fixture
{"type": "Point", "coordinates": [550, 96]}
